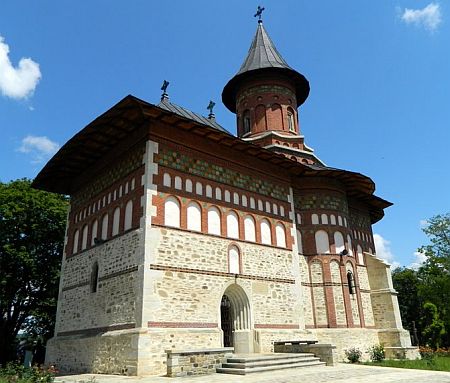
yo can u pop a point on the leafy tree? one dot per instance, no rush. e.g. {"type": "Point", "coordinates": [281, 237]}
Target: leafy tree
{"type": "Point", "coordinates": [438, 251]}
{"type": "Point", "coordinates": [32, 225]}
{"type": "Point", "coordinates": [433, 327]}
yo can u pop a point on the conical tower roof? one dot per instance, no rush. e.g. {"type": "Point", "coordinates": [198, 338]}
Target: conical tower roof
{"type": "Point", "coordinates": [262, 59]}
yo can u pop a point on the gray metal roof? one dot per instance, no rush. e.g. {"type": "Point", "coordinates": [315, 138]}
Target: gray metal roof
{"type": "Point", "coordinates": [262, 53]}
{"type": "Point", "coordinates": [183, 112]}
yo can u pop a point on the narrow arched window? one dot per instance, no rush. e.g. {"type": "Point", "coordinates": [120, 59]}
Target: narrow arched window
{"type": "Point", "coordinates": [128, 215]}
{"type": "Point", "coordinates": [244, 201]}
{"type": "Point", "coordinates": [188, 185]}
{"type": "Point", "coordinates": [349, 245]}
{"type": "Point", "coordinates": [339, 242]}
{"type": "Point", "coordinates": [322, 242]}
{"type": "Point", "coordinates": [266, 232]}
{"type": "Point", "coordinates": [94, 232]}
{"type": "Point", "coordinates": [233, 260]}
{"type": "Point", "coordinates": [214, 221]}
{"type": "Point", "coordinates": [246, 122]}
{"type": "Point", "coordinates": [275, 208]}
{"type": "Point", "coordinates": [360, 255]}
{"type": "Point", "coordinates": [105, 227]}
{"type": "Point", "coordinates": [172, 212]}
{"type": "Point", "coordinates": [314, 219]}
{"type": "Point", "coordinates": [116, 221]}
{"type": "Point", "coordinates": [209, 191]}
{"type": "Point", "coordinates": [268, 207]}
{"type": "Point", "coordinates": [76, 237]}
{"type": "Point", "coordinates": [84, 239]}
{"type": "Point", "coordinates": [218, 193]}
{"type": "Point", "coordinates": [178, 183]}
{"type": "Point", "coordinates": [167, 180]}
{"type": "Point", "coordinates": [94, 277]}
{"type": "Point", "coordinates": [194, 217]}
{"type": "Point", "coordinates": [232, 225]}
{"type": "Point", "coordinates": [252, 203]}
{"type": "Point", "coordinates": [236, 198]}
{"type": "Point", "coordinates": [291, 121]}
{"type": "Point", "coordinates": [198, 188]}
{"type": "Point", "coordinates": [249, 229]}
{"type": "Point", "coordinates": [333, 219]}
{"type": "Point", "coordinates": [280, 234]}
{"type": "Point", "coordinates": [339, 220]}
{"type": "Point", "coordinates": [351, 283]}
{"type": "Point", "coordinates": [324, 219]}
{"type": "Point", "coordinates": [227, 196]}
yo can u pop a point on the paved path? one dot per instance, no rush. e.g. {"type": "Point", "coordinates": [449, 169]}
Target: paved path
{"type": "Point", "coordinates": [342, 373]}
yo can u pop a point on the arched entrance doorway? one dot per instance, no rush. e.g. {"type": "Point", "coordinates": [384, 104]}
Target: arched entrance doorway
{"type": "Point", "coordinates": [235, 319]}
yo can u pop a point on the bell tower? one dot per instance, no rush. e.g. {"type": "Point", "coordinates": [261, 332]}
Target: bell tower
{"type": "Point", "coordinates": [265, 94]}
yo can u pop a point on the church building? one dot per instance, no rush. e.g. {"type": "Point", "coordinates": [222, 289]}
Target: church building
{"type": "Point", "coordinates": [183, 236]}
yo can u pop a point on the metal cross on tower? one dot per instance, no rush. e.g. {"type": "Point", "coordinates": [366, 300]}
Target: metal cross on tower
{"type": "Point", "coordinates": [258, 13]}
{"type": "Point", "coordinates": [210, 107]}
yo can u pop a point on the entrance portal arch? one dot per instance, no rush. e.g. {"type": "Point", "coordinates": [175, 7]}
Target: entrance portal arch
{"type": "Point", "coordinates": [235, 315]}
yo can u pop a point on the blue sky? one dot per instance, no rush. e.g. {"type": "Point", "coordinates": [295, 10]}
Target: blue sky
{"type": "Point", "coordinates": [378, 70]}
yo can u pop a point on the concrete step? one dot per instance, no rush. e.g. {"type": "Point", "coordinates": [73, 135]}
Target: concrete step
{"type": "Point", "coordinates": [245, 371]}
{"type": "Point", "coordinates": [274, 362]}
{"type": "Point", "coordinates": [247, 364]}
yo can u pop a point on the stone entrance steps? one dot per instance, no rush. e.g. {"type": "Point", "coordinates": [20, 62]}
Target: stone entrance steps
{"type": "Point", "coordinates": [247, 364]}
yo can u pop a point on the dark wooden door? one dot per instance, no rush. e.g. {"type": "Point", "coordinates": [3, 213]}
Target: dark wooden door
{"type": "Point", "coordinates": [227, 322]}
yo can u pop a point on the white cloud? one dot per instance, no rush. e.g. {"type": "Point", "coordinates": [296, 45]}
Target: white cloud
{"type": "Point", "coordinates": [429, 17]}
{"type": "Point", "coordinates": [19, 82]}
{"type": "Point", "coordinates": [383, 250]}
{"type": "Point", "coordinates": [39, 148]}
{"type": "Point", "coordinates": [419, 259]}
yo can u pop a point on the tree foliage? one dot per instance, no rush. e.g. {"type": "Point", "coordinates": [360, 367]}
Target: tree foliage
{"type": "Point", "coordinates": [32, 225]}
{"type": "Point", "coordinates": [424, 294]}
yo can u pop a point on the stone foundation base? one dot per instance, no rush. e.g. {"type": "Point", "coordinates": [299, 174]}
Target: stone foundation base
{"type": "Point", "coordinates": [402, 353]}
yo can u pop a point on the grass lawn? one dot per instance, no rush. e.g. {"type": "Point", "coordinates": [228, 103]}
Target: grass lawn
{"type": "Point", "coordinates": [439, 363]}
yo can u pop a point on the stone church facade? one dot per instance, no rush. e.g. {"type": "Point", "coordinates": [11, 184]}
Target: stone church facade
{"type": "Point", "coordinates": [183, 236]}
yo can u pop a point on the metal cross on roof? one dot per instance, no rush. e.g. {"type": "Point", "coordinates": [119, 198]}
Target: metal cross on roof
{"type": "Point", "coordinates": [259, 12]}
{"type": "Point", "coordinates": [210, 107]}
{"type": "Point", "coordinates": [164, 86]}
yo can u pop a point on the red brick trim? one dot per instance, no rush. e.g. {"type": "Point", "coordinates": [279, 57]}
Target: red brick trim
{"type": "Point", "coordinates": [98, 330]}
{"type": "Point", "coordinates": [278, 326]}
{"type": "Point", "coordinates": [220, 274]}
{"type": "Point", "coordinates": [182, 325]}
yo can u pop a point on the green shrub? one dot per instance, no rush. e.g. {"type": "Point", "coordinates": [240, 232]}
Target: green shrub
{"type": "Point", "coordinates": [376, 353]}
{"type": "Point", "coordinates": [16, 373]}
{"type": "Point", "coordinates": [353, 354]}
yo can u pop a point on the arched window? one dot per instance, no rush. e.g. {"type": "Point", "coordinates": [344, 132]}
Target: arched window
{"type": "Point", "coordinates": [218, 193]}
{"type": "Point", "coordinates": [233, 260]}
{"type": "Point", "coordinates": [167, 180]}
{"type": "Point", "coordinates": [322, 242]}
{"type": "Point", "coordinates": [194, 216]}
{"type": "Point", "coordinates": [94, 277]}
{"type": "Point", "coordinates": [198, 188]}
{"type": "Point", "coordinates": [339, 220]}
{"type": "Point", "coordinates": [351, 283]}
{"type": "Point", "coordinates": [291, 122]}
{"type": "Point", "coordinates": [246, 122]}
{"type": "Point", "coordinates": [280, 234]}
{"type": "Point", "coordinates": [299, 242]}
{"type": "Point", "coordinates": [76, 237]}
{"type": "Point", "coordinates": [249, 229]}
{"type": "Point", "coordinates": [232, 225]}
{"type": "Point", "coordinates": [116, 220]}
{"type": "Point", "coordinates": [333, 219]}
{"type": "Point", "coordinates": [213, 221]}
{"type": "Point", "coordinates": [209, 191]}
{"type": "Point", "coordinates": [188, 185]}
{"type": "Point", "coordinates": [172, 212]}
{"type": "Point", "coordinates": [267, 207]}
{"type": "Point", "coordinates": [282, 211]}
{"type": "Point", "coordinates": [105, 227]}
{"type": "Point", "coordinates": [339, 242]}
{"type": "Point", "coordinates": [345, 222]}
{"type": "Point", "coordinates": [275, 208]}
{"type": "Point", "coordinates": [314, 219]}
{"type": "Point", "coordinates": [349, 245]}
{"type": "Point", "coordinates": [244, 200]}
{"type": "Point", "coordinates": [260, 205]}
{"type": "Point", "coordinates": [178, 183]}
{"type": "Point", "coordinates": [266, 233]}
{"type": "Point", "coordinates": [360, 255]}
{"type": "Point", "coordinates": [252, 203]}
{"type": "Point", "coordinates": [227, 196]}
{"type": "Point", "coordinates": [84, 235]}
{"type": "Point", "coordinates": [94, 232]}
{"type": "Point", "coordinates": [236, 198]}
{"type": "Point", "coordinates": [324, 219]}
{"type": "Point", "coordinates": [128, 215]}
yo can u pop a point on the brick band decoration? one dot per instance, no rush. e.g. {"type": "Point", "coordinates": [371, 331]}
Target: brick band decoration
{"type": "Point", "coordinates": [182, 324]}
